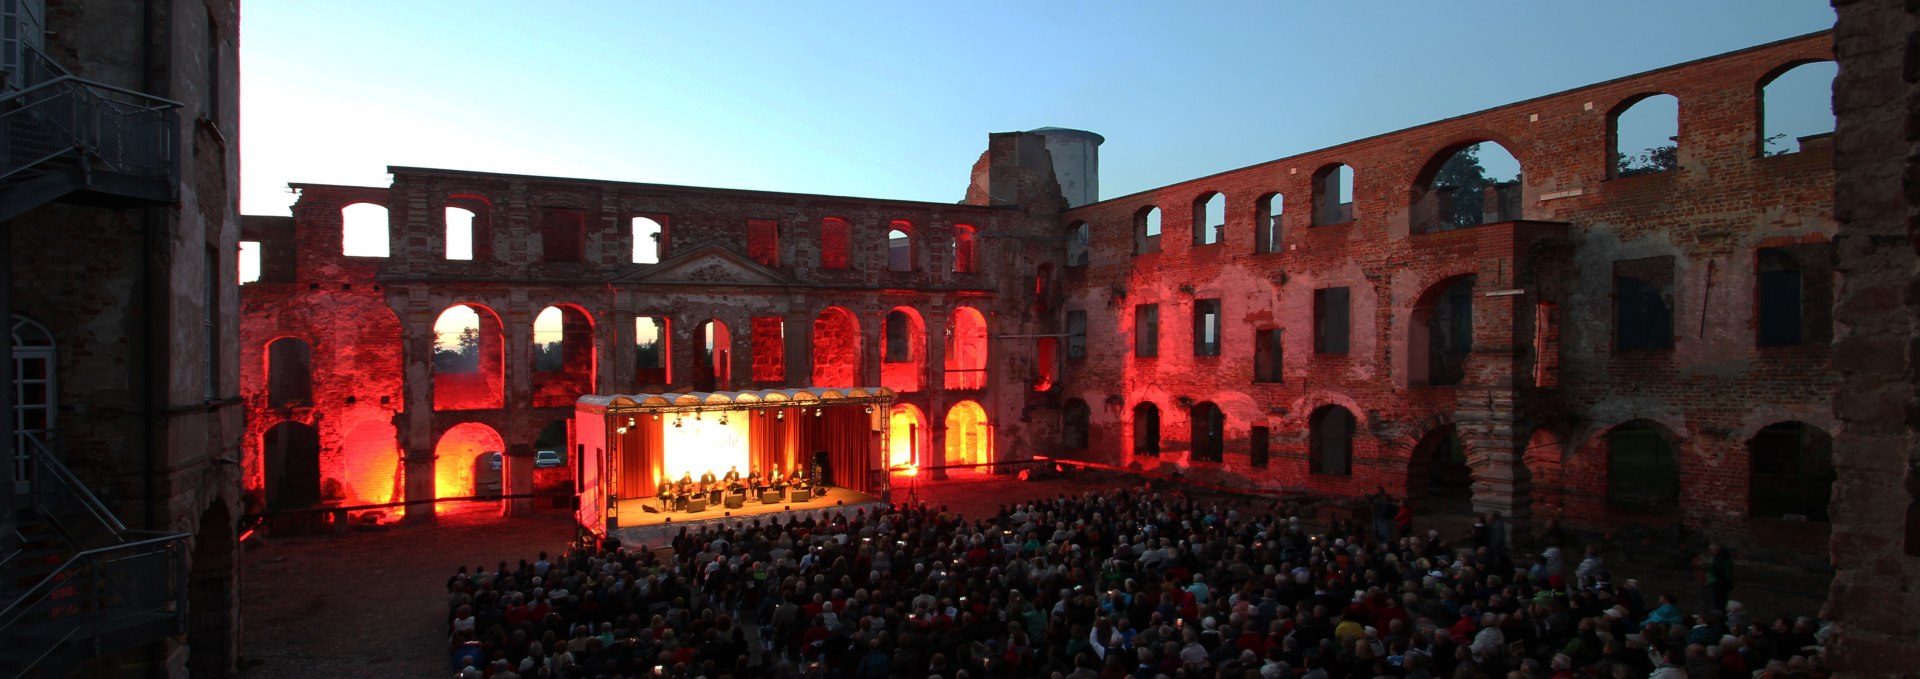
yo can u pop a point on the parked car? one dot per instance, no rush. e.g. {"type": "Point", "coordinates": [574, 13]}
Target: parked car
{"type": "Point", "coordinates": [493, 462]}
{"type": "Point", "coordinates": [547, 458]}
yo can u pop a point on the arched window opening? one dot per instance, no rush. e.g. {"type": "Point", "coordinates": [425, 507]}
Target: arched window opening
{"type": "Point", "coordinates": [1209, 432]}
{"type": "Point", "coordinates": [715, 370]}
{"type": "Point", "coordinates": [1267, 235]}
{"type": "Point", "coordinates": [1073, 425]}
{"type": "Point", "coordinates": [1477, 184]}
{"type": "Point", "coordinates": [1645, 136]}
{"type": "Point", "coordinates": [470, 461]}
{"type": "Point", "coordinates": [1146, 230]}
{"type": "Point", "coordinates": [969, 435]}
{"type": "Point", "coordinates": [34, 391]}
{"type": "Point", "coordinates": [1333, 195]}
{"type": "Point", "coordinates": [562, 233]}
{"type": "Point", "coordinates": [371, 465]}
{"type": "Point", "coordinates": [906, 435]}
{"type": "Point", "coordinates": [964, 260]}
{"type": "Point", "coordinates": [1079, 240]}
{"type": "Point", "coordinates": [550, 447]}
{"type": "Point", "coordinates": [459, 233]}
{"type": "Point", "coordinates": [836, 236]}
{"type": "Point", "coordinates": [1643, 304]}
{"type": "Point", "coordinates": [899, 248]}
{"type": "Point", "coordinates": [1791, 466]}
{"type": "Point", "coordinates": [649, 239]}
{"type": "Point", "coordinates": [563, 357]}
{"type": "Point", "coordinates": [1642, 472]}
{"type": "Point", "coordinates": [1796, 108]}
{"type": "Point", "coordinates": [289, 373]}
{"type": "Point", "coordinates": [1046, 363]}
{"type": "Point", "coordinates": [1146, 430]}
{"type": "Point", "coordinates": [468, 359]}
{"type": "Point", "coordinates": [836, 348]}
{"type": "Point", "coordinates": [1209, 218]}
{"type": "Point", "coordinates": [363, 230]}
{"type": "Point", "coordinates": [290, 465]}
{"type": "Point", "coordinates": [966, 349]}
{"type": "Point", "coordinates": [1440, 334]}
{"type": "Point", "coordinates": [1330, 441]}
{"type": "Point", "coordinates": [903, 350]}
{"type": "Point", "coordinates": [651, 348]}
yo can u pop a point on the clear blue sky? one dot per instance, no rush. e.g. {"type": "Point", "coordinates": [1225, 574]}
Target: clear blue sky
{"type": "Point", "coordinates": [894, 99]}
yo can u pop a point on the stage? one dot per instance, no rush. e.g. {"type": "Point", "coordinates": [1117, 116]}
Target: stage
{"type": "Point", "coordinates": [640, 526]}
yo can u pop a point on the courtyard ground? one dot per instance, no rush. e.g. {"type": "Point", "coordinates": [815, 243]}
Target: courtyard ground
{"type": "Point", "coordinates": [373, 603]}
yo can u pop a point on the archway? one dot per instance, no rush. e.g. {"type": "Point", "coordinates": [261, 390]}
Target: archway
{"type": "Point", "coordinates": [906, 435]}
{"type": "Point", "coordinates": [469, 462]}
{"type": "Point", "coordinates": [966, 349]}
{"type": "Point", "coordinates": [836, 348]}
{"type": "Point", "coordinates": [1146, 429]}
{"type": "Point", "coordinates": [1643, 472]}
{"type": "Point", "coordinates": [1208, 435]}
{"type": "Point", "coordinates": [1075, 426]}
{"type": "Point", "coordinates": [903, 350]}
{"type": "Point", "coordinates": [469, 359]}
{"type": "Point", "coordinates": [1437, 471]}
{"type": "Point", "coordinates": [969, 438]}
{"type": "Point", "coordinates": [715, 372]}
{"type": "Point", "coordinates": [1440, 333]}
{"type": "Point", "coordinates": [1790, 472]}
{"type": "Point", "coordinates": [371, 464]}
{"type": "Point", "coordinates": [291, 466]}
{"type": "Point", "coordinates": [563, 356]}
{"type": "Point", "coordinates": [1467, 184]}
{"type": "Point", "coordinates": [210, 600]}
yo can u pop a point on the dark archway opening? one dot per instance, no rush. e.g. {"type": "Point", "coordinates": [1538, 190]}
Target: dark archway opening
{"type": "Point", "coordinates": [1792, 472]}
{"type": "Point", "coordinates": [1643, 473]}
{"type": "Point", "coordinates": [1438, 473]}
{"type": "Point", "coordinates": [292, 466]}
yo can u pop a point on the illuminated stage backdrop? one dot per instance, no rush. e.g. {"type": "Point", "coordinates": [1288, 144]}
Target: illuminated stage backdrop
{"type": "Point", "coordinates": [704, 444]}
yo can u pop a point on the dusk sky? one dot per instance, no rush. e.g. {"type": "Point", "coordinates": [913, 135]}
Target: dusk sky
{"type": "Point", "coordinates": [895, 99]}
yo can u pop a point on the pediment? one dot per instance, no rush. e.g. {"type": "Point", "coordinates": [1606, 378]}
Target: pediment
{"type": "Point", "coordinates": [706, 265]}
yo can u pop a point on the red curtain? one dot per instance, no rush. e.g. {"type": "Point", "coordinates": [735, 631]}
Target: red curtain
{"type": "Point", "coordinates": [846, 433]}
{"type": "Point", "coordinates": [639, 450]}
{"type": "Point", "coordinates": [771, 439]}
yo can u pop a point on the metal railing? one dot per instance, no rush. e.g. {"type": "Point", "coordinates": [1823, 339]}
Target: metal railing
{"type": "Point", "coordinates": [56, 491]}
{"type": "Point", "coordinates": [102, 126]}
{"type": "Point", "coordinates": [92, 593]}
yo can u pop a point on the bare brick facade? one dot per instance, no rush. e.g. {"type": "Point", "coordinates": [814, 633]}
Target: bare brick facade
{"type": "Point", "coordinates": [1592, 337]}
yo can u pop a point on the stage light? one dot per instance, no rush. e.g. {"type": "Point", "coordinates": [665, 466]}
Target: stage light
{"type": "Point", "coordinates": [656, 417]}
{"type": "Point", "coordinates": [869, 410]}
{"type": "Point", "coordinates": [819, 411]}
{"type": "Point", "coordinates": [679, 422]}
{"type": "Point", "coordinates": [780, 415]}
{"type": "Point", "coordinates": [723, 419]}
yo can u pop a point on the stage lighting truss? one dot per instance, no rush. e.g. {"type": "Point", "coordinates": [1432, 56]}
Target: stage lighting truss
{"type": "Point", "coordinates": [627, 422]}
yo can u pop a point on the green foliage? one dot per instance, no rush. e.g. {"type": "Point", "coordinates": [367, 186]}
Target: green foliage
{"type": "Point", "coordinates": [1649, 161]}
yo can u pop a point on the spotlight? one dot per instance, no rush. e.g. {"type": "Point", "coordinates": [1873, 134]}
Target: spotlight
{"type": "Point", "coordinates": [819, 411]}
{"type": "Point", "coordinates": [678, 422]}
{"type": "Point", "coordinates": [723, 420]}
{"type": "Point", "coordinates": [696, 416]}
{"type": "Point", "coordinates": [869, 410]}
{"type": "Point", "coordinates": [780, 415]}
{"type": "Point", "coordinates": [656, 417]}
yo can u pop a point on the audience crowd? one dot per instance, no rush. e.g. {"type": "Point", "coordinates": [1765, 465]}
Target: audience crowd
{"type": "Point", "coordinates": [1110, 585]}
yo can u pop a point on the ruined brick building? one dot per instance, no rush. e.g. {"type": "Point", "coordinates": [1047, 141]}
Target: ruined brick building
{"type": "Point", "coordinates": [119, 178]}
{"type": "Point", "coordinates": [1603, 338]}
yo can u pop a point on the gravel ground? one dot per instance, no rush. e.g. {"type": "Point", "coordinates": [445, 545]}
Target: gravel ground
{"type": "Point", "coordinates": [373, 603]}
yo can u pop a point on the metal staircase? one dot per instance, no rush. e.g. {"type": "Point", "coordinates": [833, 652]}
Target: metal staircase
{"type": "Point", "coordinates": [81, 583]}
{"type": "Point", "coordinates": [69, 139]}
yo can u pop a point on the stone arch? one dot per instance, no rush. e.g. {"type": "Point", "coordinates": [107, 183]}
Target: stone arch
{"type": "Point", "coordinates": [1770, 141]}
{"type": "Point", "coordinates": [469, 361]}
{"type": "Point", "coordinates": [1439, 332]}
{"type": "Point", "coordinates": [563, 360]}
{"type": "Point", "coordinates": [969, 436]}
{"type": "Point", "coordinates": [290, 461]}
{"type": "Point", "coordinates": [371, 466]}
{"type": "Point", "coordinates": [211, 604]}
{"type": "Point", "coordinates": [366, 229]}
{"type": "Point", "coordinates": [1206, 437]}
{"type": "Point", "coordinates": [1146, 429]}
{"type": "Point", "coordinates": [713, 342]}
{"type": "Point", "coordinates": [966, 349]}
{"type": "Point", "coordinates": [1790, 471]}
{"type": "Point", "coordinates": [1643, 466]}
{"type": "Point", "coordinates": [1443, 199]}
{"type": "Point", "coordinates": [289, 372]}
{"type": "Point", "coordinates": [469, 461]}
{"type": "Point", "coordinates": [903, 350]}
{"type": "Point", "coordinates": [1629, 162]}
{"type": "Point", "coordinates": [836, 348]}
{"type": "Point", "coordinates": [1331, 432]}
{"type": "Point", "coordinates": [907, 435]}
{"type": "Point", "coordinates": [1440, 471]}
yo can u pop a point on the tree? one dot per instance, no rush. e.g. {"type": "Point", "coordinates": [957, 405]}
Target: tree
{"type": "Point", "coordinates": [1649, 161]}
{"type": "Point", "coordinates": [1468, 180]}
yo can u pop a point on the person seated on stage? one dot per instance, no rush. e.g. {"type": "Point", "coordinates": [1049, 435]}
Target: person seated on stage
{"type": "Point", "coordinates": [706, 478]}
{"type": "Point", "coordinates": [754, 482]}
{"type": "Point", "coordinates": [665, 493]}
{"type": "Point", "coordinates": [732, 478]}
{"type": "Point", "coordinates": [797, 480]}
{"type": "Point", "coordinates": [774, 479]}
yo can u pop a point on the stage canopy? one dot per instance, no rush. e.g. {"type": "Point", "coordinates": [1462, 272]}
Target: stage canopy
{"type": "Point", "coordinates": [629, 443]}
